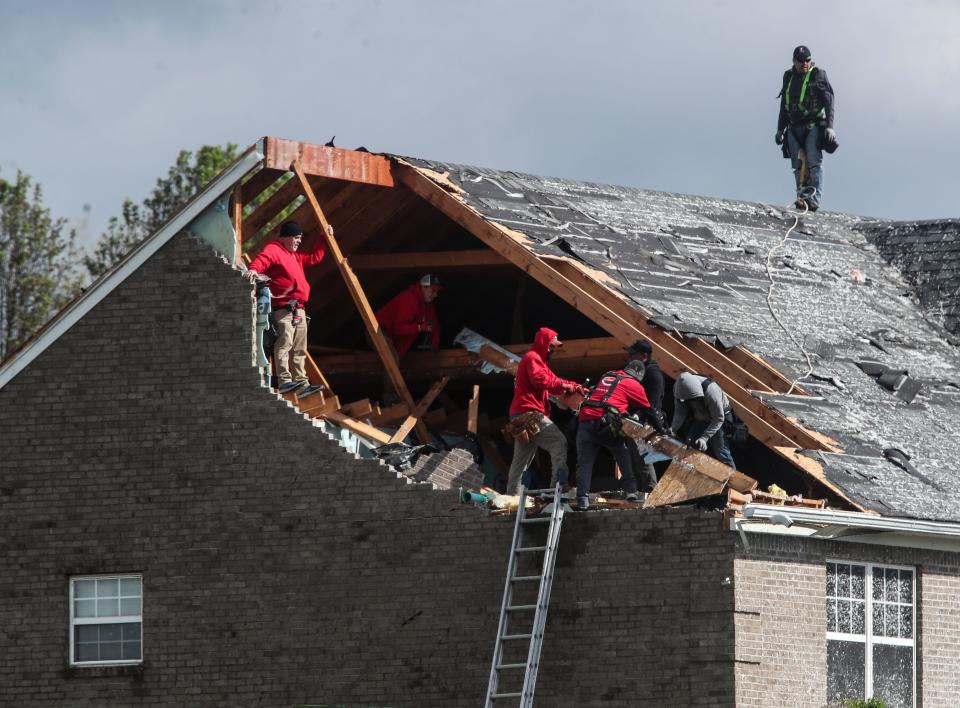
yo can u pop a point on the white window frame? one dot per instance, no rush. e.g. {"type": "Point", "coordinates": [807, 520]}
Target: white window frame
{"type": "Point", "coordinates": [121, 619]}
{"type": "Point", "coordinates": [868, 638]}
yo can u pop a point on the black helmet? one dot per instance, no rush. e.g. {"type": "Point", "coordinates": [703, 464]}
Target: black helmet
{"type": "Point", "coordinates": [801, 53]}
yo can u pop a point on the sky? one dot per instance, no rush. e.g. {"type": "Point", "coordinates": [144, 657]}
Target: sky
{"type": "Point", "coordinates": [97, 97]}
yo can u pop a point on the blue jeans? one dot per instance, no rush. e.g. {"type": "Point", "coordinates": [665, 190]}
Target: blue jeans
{"type": "Point", "coordinates": [718, 446]}
{"type": "Point", "coordinates": [806, 137]}
{"type": "Point", "coordinates": [588, 445]}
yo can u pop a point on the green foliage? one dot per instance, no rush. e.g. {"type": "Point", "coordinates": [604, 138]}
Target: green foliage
{"type": "Point", "coordinates": [189, 174]}
{"type": "Point", "coordinates": [860, 703]}
{"type": "Point", "coordinates": [37, 256]}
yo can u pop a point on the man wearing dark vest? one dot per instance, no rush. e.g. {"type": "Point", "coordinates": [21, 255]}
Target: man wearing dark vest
{"type": "Point", "coordinates": [616, 393]}
{"type": "Point", "coordinates": [805, 125]}
{"type": "Point", "coordinates": [653, 384]}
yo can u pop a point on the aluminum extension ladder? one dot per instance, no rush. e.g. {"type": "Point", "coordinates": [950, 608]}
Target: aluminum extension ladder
{"type": "Point", "coordinates": [539, 610]}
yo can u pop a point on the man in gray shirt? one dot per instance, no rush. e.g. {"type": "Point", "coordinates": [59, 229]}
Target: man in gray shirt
{"type": "Point", "coordinates": [701, 405]}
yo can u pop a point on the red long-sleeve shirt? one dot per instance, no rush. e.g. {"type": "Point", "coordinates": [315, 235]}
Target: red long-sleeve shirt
{"type": "Point", "coordinates": [285, 270]}
{"type": "Point", "coordinates": [402, 316]}
{"type": "Point", "coordinates": [535, 381]}
{"type": "Point", "coordinates": [628, 395]}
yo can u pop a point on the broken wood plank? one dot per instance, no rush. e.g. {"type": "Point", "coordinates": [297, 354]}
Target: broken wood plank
{"type": "Point", "coordinates": [387, 355]}
{"type": "Point", "coordinates": [681, 483]}
{"type": "Point", "coordinates": [472, 409]}
{"type": "Point", "coordinates": [359, 409]}
{"type": "Point", "coordinates": [358, 427]}
{"type": "Point", "coordinates": [322, 161]}
{"type": "Point", "coordinates": [237, 218]}
{"type": "Point", "coordinates": [318, 409]}
{"type": "Point", "coordinates": [419, 410]}
{"type": "Point", "coordinates": [428, 260]}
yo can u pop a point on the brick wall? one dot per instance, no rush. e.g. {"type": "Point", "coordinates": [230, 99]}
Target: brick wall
{"type": "Point", "coordinates": [278, 569]}
{"type": "Point", "coordinates": [780, 615]}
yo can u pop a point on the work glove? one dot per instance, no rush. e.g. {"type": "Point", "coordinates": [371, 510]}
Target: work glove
{"type": "Point", "coordinates": [700, 444]}
{"type": "Point", "coordinates": [778, 138]}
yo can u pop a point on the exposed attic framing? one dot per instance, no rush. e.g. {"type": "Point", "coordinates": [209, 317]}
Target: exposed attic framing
{"type": "Point", "coordinates": [378, 204]}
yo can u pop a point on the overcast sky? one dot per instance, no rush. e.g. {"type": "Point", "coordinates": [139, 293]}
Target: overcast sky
{"type": "Point", "coordinates": [97, 97]}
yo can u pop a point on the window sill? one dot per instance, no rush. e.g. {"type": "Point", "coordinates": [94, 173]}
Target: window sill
{"type": "Point", "coordinates": [131, 670]}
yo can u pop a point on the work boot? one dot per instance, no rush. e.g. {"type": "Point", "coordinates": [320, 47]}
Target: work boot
{"type": "Point", "coordinates": [634, 497]}
{"type": "Point", "coordinates": [583, 503]}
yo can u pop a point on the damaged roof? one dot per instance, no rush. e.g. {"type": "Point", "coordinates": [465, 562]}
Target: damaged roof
{"type": "Point", "coordinates": [820, 303]}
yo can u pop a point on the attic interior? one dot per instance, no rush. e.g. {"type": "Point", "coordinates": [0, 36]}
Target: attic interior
{"type": "Point", "coordinates": [391, 236]}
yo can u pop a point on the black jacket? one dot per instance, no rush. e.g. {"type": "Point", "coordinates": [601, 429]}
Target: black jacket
{"type": "Point", "coordinates": [653, 383]}
{"type": "Point", "coordinates": [819, 97]}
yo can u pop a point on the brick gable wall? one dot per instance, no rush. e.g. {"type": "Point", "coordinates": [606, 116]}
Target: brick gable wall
{"type": "Point", "coordinates": [280, 570]}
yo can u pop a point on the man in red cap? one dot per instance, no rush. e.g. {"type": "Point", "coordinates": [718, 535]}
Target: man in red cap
{"type": "Point", "coordinates": [534, 383]}
{"type": "Point", "coordinates": [283, 263]}
{"type": "Point", "coordinates": [411, 317]}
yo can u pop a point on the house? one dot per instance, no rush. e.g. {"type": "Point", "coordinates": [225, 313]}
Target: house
{"type": "Point", "coordinates": [174, 532]}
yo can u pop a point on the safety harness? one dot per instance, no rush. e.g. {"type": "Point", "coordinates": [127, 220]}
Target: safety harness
{"type": "Point", "coordinates": [802, 108]}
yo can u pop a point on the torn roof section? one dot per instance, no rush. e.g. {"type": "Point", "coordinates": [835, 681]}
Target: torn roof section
{"type": "Point", "coordinates": [707, 264]}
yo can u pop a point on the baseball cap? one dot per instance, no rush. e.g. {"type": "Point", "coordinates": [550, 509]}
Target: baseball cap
{"type": "Point", "coordinates": [801, 53]}
{"type": "Point", "coordinates": [556, 341]}
{"type": "Point", "coordinates": [641, 346]}
{"type": "Point", "coordinates": [430, 280]}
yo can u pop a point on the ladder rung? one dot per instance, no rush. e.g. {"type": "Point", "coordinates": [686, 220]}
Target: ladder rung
{"type": "Point", "coordinates": [513, 608]}
{"type": "Point", "coordinates": [531, 549]}
{"type": "Point", "coordinates": [536, 520]}
{"type": "Point", "coordinates": [510, 637]}
{"type": "Point", "coordinates": [506, 695]}
{"type": "Point", "coordinates": [511, 666]}
{"type": "Point", "coordinates": [523, 578]}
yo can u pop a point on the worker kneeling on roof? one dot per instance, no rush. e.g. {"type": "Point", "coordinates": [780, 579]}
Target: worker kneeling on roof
{"type": "Point", "coordinates": [702, 414]}
{"type": "Point", "coordinates": [617, 393]}
{"type": "Point", "coordinates": [410, 318]}
{"type": "Point", "coordinates": [530, 424]}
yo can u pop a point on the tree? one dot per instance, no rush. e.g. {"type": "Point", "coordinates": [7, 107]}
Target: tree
{"type": "Point", "coordinates": [37, 257]}
{"type": "Point", "coordinates": [189, 174]}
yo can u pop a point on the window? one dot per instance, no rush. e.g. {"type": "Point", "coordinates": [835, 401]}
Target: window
{"type": "Point", "coordinates": [106, 620]}
{"type": "Point", "coordinates": [870, 633]}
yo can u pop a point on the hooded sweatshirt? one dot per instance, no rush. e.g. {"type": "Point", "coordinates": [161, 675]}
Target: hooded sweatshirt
{"type": "Point", "coordinates": [402, 316]}
{"type": "Point", "coordinates": [690, 386]}
{"type": "Point", "coordinates": [535, 381]}
{"type": "Point", "coordinates": [285, 270]}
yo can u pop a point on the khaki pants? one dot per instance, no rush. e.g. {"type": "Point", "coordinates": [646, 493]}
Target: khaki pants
{"type": "Point", "coordinates": [290, 349]}
{"type": "Point", "coordinates": [551, 439]}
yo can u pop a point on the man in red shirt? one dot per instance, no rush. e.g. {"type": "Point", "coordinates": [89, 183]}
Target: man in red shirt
{"type": "Point", "coordinates": [534, 383]}
{"type": "Point", "coordinates": [411, 315]}
{"type": "Point", "coordinates": [622, 392]}
{"type": "Point", "coordinates": [283, 263]}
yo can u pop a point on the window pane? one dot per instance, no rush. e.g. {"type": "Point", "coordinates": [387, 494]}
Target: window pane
{"type": "Point", "coordinates": [110, 632]}
{"type": "Point", "coordinates": [108, 588]}
{"type": "Point", "coordinates": [130, 587]}
{"type": "Point", "coordinates": [906, 621]}
{"type": "Point", "coordinates": [845, 670]}
{"type": "Point", "coordinates": [843, 581]}
{"type": "Point", "coordinates": [831, 579]}
{"type": "Point", "coordinates": [131, 650]}
{"type": "Point", "coordinates": [892, 583]}
{"type": "Point", "coordinates": [130, 606]}
{"type": "Point", "coordinates": [110, 651]}
{"type": "Point", "coordinates": [878, 583]}
{"type": "Point", "coordinates": [84, 588]}
{"type": "Point", "coordinates": [893, 675]}
{"type": "Point", "coordinates": [878, 626]}
{"type": "Point", "coordinates": [108, 608]}
{"type": "Point", "coordinates": [87, 633]}
{"type": "Point", "coordinates": [131, 631]}
{"type": "Point", "coordinates": [843, 616]}
{"type": "Point", "coordinates": [906, 586]}
{"type": "Point", "coordinates": [857, 625]}
{"type": "Point", "coordinates": [856, 581]}
{"type": "Point", "coordinates": [85, 608]}
{"type": "Point", "coordinates": [831, 615]}
{"type": "Point", "coordinates": [86, 652]}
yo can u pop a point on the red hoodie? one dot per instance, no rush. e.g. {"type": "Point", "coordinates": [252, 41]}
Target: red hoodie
{"type": "Point", "coordinates": [534, 380]}
{"type": "Point", "coordinates": [402, 316]}
{"type": "Point", "coordinates": [285, 270]}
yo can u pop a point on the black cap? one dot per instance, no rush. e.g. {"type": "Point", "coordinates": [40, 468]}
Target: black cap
{"type": "Point", "coordinates": [641, 346]}
{"type": "Point", "coordinates": [430, 280]}
{"type": "Point", "coordinates": [290, 228]}
{"type": "Point", "coordinates": [801, 53]}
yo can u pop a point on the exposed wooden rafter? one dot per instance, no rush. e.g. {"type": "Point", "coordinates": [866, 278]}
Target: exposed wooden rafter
{"type": "Point", "coordinates": [335, 163]}
{"type": "Point", "coordinates": [428, 259]}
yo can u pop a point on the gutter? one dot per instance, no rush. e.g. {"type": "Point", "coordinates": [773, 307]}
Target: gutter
{"type": "Point", "coordinates": [846, 526]}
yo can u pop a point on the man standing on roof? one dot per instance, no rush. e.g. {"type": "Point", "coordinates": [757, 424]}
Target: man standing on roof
{"type": "Point", "coordinates": [701, 405]}
{"type": "Point", "coordinates": [805, 125]}
{"type": "Point", "coordinates": [653, 385]}
{"type": "Point", "coordinates": [534, 383]}
{"type": "Point", "coordinates": [616, 393]}
{"type": "Point", "coordinates": [282, 262]}
{"type": "Point", "coordinates": [410, 318]}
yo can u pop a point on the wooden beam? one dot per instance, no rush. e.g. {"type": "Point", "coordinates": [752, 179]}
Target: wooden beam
{"type": "Point", "coordinates": [731, 368]}
{"type": "Point", "coordinates": [360, 409]}
{"type": "Point", "coordinates": [358, 427]}
{"type": "Point", "coordinates": [386, 352]}
{"type": "Point", "coordinates": [336, 163]}
{"type": "Point", "coordinates": [419, 410]}
{"type": "Point", "coordinates": [472, 409]}
{"type": "Point", "coordinates": [763, 371]}
{"type": "Point", "coordinates": [428, 260]}
{"type": "Point", "coordinates": [237, 218]}
{"type": "Point", "coordinates": [318, 409]}
{"type": "Point", "coordinates": [260, 181]}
